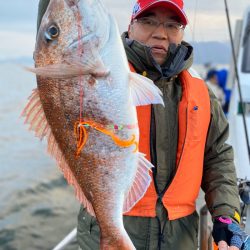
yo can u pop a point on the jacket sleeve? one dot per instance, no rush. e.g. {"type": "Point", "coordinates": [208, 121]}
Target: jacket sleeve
{"type": "Point", "coordinates": [219, 176]}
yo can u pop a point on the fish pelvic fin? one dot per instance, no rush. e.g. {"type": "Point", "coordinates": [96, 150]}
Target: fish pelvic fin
{"type": "Point", "coordinates": [141, 183]}
{"type": "Point", "coordinates": [34, 116]}
{"type": "Point", "coordinates": [144, 91]}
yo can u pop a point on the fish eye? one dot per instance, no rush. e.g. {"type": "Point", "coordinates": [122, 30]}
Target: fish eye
{"type": "Point", "coordinates": [52, 33]}
{"type": "Point", "coordinates": [70, 3]}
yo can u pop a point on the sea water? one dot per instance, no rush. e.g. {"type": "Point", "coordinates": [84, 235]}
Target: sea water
{"type": "Point", "coordinates": [37, 207]}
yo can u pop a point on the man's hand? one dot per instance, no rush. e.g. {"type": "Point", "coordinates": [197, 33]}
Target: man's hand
{"type": "Point", "coordinates": [228, 235]}
{"type": "Point", "coordinates": [222, 245]}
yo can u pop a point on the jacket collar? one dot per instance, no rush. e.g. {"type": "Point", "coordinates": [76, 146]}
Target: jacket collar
{"type": "Point", "coordinates": [178, 58]}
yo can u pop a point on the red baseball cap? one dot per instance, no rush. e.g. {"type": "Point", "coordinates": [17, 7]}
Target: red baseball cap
{"type": "Point", "coordinates": [174, 5]}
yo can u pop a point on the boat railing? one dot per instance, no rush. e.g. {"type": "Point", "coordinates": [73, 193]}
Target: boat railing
{"type": "Point", "coordinates": [66, 241]}
{"type": "Point", "coordinates": [205, 230]}
{"type": "Point", "coordinates": [205, 235]}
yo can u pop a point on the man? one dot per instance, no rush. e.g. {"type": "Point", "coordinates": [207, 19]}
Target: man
{"type": "Point", "coordinates": [213, 83]}
{"type": "Point", "coordinates": [185, 141]}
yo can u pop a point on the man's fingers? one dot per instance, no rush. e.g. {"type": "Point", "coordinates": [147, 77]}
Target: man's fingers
{"type": "Point", "coordinates": [222, 245]}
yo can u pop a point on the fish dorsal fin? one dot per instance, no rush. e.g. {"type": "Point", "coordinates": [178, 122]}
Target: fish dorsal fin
{"type": "Point", "coordinates": [141, 183]}
{"type": "Point", "coordinates": [144, 91]}
{"type": "Point", "coordinates": [35, 117]}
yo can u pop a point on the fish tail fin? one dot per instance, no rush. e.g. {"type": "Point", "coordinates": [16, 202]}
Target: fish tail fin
{"type": "Point", "coordinates": [120, 242]}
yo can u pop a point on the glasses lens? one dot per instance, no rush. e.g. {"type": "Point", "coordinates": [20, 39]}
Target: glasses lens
{"type": "Point", "coordinates": [151, 24]}
{"type": "Point", "coordinates": [148, 22]}
{"type": "Point", "coordinates": [173, 27]}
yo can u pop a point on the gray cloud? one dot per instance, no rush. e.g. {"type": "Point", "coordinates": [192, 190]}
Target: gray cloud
{"type": "Point", "coordinates": [207, 18]}
{"type": "Point", "coordinates": [216, 6]}
{"type": "Point", "coordinates": [13, 10]}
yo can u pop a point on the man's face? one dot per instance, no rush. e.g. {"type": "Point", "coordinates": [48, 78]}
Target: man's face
{"type": "Point", "coordinates": [157, 37]}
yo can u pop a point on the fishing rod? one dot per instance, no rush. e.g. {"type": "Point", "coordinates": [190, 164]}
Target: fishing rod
{"type": "Point", "coordinates": [237, 79]}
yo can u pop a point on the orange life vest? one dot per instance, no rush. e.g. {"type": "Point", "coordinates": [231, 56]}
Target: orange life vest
{"type": "Point", "coordinates": [194, 119]}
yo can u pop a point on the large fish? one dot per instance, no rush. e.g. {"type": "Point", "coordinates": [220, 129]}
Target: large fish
{"type": "Point", "coordinates": [85, 106]}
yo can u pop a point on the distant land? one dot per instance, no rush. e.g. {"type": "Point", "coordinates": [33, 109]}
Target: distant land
{"type": "Point", "coordinates": [211, 52]}
{"type": "Point", "coordinates": [204, 53]}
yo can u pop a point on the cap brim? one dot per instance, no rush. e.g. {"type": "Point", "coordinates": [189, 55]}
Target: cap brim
{"type": "Point", "coordinates": [168, 5]}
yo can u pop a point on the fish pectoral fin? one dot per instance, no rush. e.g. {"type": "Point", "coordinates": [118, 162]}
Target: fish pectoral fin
{"type": "Point", "coordinates": [66, 70]}
{"type": "Point", "coordinates": [72, 67]}
{"type": "Point", "coordinates": [56, 71]}
{"type": "Point", "coordinates": [144, 91]}
{"type": "Point", "coordinates": [88, 65]}
{"type": "Point", "coordinates": [141, 183]}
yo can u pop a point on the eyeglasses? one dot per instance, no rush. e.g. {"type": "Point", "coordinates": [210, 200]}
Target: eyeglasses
{"type": "Point", "coordinates": [151, 24]}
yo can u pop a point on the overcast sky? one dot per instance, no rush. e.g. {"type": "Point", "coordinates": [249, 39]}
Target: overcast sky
{"type": "Point", "coordinates": [207, 21]}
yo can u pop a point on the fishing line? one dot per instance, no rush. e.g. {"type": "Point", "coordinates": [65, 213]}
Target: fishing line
{"type": "Point", "coordinates": [80, 53]}
{"type": "Point", "coordinates": [194, 21]}
{"type": "Point", "coordinates": [193, 29]}
{"type": "Point", "coordinates": [81, 134]}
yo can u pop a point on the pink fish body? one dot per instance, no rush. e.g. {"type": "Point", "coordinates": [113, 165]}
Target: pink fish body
{"type": "Point", "coordinates": [85, 106]}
